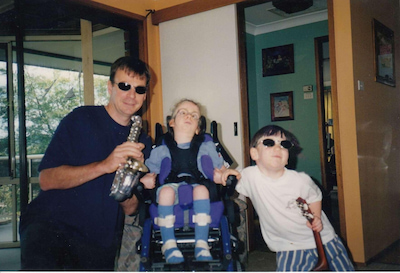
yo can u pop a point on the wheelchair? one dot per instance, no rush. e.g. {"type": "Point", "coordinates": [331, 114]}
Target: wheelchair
{"type": "Point", "coordinates": [224, 246]}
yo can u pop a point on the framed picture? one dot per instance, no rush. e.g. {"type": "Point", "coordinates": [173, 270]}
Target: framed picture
{"type": "Point", "coordinates": [282, 106]}
{"type": "Point", "coordinates": [384, 54]}
{"type": "Point", "coordinates": [278, 60]}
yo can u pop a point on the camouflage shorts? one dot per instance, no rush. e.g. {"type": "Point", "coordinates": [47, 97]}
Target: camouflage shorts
{"type": "Point", "coordinates": [128, 259]}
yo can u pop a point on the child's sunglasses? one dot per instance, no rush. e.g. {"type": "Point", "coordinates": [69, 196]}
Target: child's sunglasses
{"type": "Point", "coordinates": [271, 143]}
{"type": "Point", "coordinates": [124, 86]}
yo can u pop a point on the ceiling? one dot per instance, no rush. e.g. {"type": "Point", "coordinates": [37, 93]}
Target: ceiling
{"type": "Point", "coordinates": [57, 17]}
{"type": "Point", "coordinates": [266, 14]}
{"type": "Point", "coordinates": [43, 13]}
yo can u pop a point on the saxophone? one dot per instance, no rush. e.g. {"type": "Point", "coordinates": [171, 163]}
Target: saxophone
{"type": "Point", "coordinates": [127, 178]}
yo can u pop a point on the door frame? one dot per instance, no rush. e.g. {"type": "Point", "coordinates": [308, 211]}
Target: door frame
{"type": "Point", "coordinates": [244, 96]}
{"type": "Point", "coordinates": [321, 109]}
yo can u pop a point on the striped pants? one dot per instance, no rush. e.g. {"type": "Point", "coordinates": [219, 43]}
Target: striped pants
{"type": "Point", "coordinates": [305, 260]}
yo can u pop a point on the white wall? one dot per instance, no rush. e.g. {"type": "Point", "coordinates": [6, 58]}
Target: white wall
{"type": "Point", "coordinates": [199, 60]}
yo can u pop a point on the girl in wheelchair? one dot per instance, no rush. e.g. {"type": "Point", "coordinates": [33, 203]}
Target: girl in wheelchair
{"type": "Point", "coordinates": [185, 146]}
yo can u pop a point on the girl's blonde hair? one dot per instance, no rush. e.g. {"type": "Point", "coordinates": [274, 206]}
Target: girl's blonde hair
{"type": "Point", "coordinates": [176, 106]}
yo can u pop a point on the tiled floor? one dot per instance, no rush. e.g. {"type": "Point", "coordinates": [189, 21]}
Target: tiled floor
{"type": "Point", "coordinates": [265, 261]}
{"type": "Point", "coordinates": [10, 259]}
{"type": "Point", "coordinates": [261, 259]}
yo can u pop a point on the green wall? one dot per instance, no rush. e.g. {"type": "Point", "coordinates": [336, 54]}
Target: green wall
{"type": "Point", "coordinates": [305, 123]}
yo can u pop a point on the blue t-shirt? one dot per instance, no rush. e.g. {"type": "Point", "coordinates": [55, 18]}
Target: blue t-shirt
{"type": "Point", "coordinates": [86, 135]}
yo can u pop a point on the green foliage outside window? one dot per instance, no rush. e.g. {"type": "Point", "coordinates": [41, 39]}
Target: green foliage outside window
{"type": "Point", "coordinates": [50, 94]}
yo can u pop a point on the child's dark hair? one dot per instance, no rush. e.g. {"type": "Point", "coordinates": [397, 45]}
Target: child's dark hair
{"type": "Point", "coordinates": [272, 130]}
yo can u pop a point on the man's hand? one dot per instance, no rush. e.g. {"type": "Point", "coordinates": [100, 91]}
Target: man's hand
{"type": "Point", "coordinates": [119, 156]}
{"type": "Point", "coordinates": [130, 205]}
{"type": "Point", "coordinates": [66, 177]}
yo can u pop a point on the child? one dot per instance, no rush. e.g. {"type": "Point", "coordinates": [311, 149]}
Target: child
{"type": "Point", "coordinates": [185, 125]}
{"type": "Point", "coordinates": [273, 189]}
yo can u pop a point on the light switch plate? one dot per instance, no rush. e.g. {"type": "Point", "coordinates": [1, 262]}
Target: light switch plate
{"type": "Point", "coordinates": [308, 95]}
{"type": "Point", "coordinates": [360, 85]}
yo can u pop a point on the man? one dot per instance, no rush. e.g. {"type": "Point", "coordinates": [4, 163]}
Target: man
{"type": "Point", "coordinates": [74, 224]}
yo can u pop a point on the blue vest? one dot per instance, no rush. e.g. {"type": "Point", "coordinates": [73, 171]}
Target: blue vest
{"type": "Point", "coordinates": [184, 161]}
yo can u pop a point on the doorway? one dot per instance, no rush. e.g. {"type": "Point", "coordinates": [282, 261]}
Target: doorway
{"type": "Point", "coordinates": [305, 127]}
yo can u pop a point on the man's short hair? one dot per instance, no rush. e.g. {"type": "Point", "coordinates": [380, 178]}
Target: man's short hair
{"type": "Point", "coordinates": [130, 65]}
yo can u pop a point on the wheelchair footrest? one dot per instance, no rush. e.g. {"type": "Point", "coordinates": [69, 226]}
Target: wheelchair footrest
{"type": "Point", "coordinates": [220, 242]}
{"type": "Point", "coordinates": [213, 265]}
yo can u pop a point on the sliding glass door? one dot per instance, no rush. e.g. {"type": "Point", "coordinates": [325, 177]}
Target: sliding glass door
{"type": "Point", "coordinates": [9, 184]}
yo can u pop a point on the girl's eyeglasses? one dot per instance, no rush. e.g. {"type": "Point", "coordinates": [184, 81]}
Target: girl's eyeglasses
{"type": "Point", "coordinates": [184, 113]}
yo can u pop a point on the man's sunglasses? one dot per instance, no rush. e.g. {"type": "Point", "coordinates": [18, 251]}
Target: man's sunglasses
{"type": "Point", "coordinates": [271, 143]}
{"type": "Point", "coordinates": [124, 86]}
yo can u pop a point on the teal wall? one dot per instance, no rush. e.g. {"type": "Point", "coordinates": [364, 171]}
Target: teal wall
{"type": "Point", "coordinates": [305, 123]}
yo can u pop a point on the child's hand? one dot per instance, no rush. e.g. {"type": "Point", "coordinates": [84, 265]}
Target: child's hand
{"type": "Point", "coordinates": [316, 224]}
{"type": "Point", "coordinates": [149, 181]}
{"type": "Point", "coordinates": [315, 208]}
{"type": "Point", "coordinates": [217, 176]}
{"type": "Point", "coordinates": [229, 172]}
{"type": "Point", "coordinates": [220, 176]}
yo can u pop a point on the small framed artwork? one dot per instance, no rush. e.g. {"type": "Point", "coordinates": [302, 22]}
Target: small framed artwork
{"type": "Point", "coordinates": [384, 54]}
{"type": "Point", "coordinates": [278, 60]}
{"type": "Point", "coordinates": [282, 106]}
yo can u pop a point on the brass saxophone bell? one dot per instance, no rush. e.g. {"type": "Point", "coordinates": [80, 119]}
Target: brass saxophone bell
{"type": "Point", "coordinates": [126, 179]}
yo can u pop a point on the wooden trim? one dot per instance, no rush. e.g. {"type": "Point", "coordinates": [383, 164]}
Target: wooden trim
{"type": "Point", "coordinates": [144, 56]}
{"type": "Point", "coordinates": [189, 8]}
{"type": "Point", "coordinates": [142, 38]}
{"type": "Point", "coordinates": [243, 84]}
{"type": "Point", "coordinates": [336, 128]}
{"type": "Point", "coordinates": [87, 62]}
{"type": "Point", "coordinates": [241, 30]}
{"type": "Point", "coordinates": [100, 6]}
{"type": "Point", "coordinates": [320, 107]}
